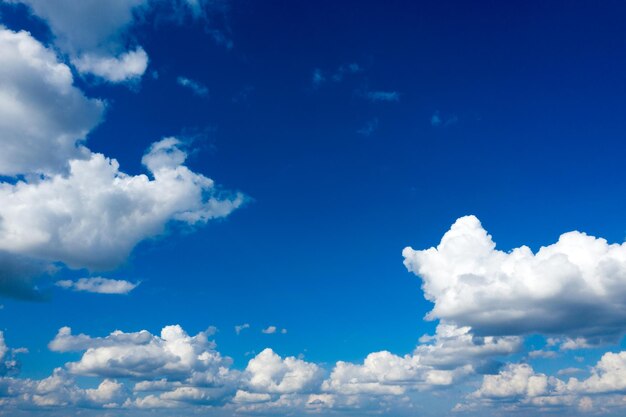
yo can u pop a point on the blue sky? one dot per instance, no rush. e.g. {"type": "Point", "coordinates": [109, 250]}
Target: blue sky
{"type": "Point", "coordinates": [184, 165]}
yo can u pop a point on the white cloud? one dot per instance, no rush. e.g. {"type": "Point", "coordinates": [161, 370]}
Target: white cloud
{"type": "Point", "coordinates": [516, 380]}
{"type": "Point", "coordinates": [245, 397]}
{"type": "Point", "coordinates": [197, 88]}
{"type": "Point", "coordinates": [8, 363]}
{"type": "Point", "coordinates": [43, 117]}
{"type": "Point", "coordinates": [269, 373]}
{"type": "Point", "coordinates": [96, 215]}
{"type": "Point", "coordinates": [438, 361]}
{"type": "Point", "coordinates": [519, 384]}
{"type": "Point", "coordinates": [269, 330]}
{"type": "Point", "coordinates": [454, 347]}
{"type": "Point", "coordinates": [128, 66]}
{"type": "Point", "coordinates": [72, 205]}
{"type": "Point", "coordinates": [608, 376]}
{"type": "Point", "coordinates": [97, 34]}
{"type": "Point", "coordinates": [99, 285]}
{"type": "Point", "coordinates": [173, 355]}
{"type": "Point", "coordinates": [518, 292]}
{"type": "Point", "coordinates": [241, 327]}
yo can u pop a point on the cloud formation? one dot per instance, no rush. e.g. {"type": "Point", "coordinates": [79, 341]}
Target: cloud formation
{"type": "Point", "coordinates": [43, 117]}
{"type": "Point", "coordinates": [95, 216]}
{"type": "Point", "coordinates": [389, 96]}
{"type": "Point", "coordinates": [197, 88]}
{"type": "Point", "coordinates": [471, 283]}
{"type": "Point", "coordinates": [65, 203]}
{"type": "Point", "coordinates": [97, 35]}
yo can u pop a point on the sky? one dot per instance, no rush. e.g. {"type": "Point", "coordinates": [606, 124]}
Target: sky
{"type": "Point", "coordinates": [292, 208]}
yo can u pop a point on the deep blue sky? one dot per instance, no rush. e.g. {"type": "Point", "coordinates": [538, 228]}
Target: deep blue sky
{"type": "Point", "coordinates": [531, 96]}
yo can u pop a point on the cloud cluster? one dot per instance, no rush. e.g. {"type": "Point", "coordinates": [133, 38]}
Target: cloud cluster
{"type": "Point", "coordinates": [67, 204]}
{"type": "Point", "coordinates": [43, 117]}
{"type": "Point", "coordinates": [97, 35]}
{"type": "Point", "coordinates": [94, 216]}
{"type": "Point", "coordinates": [520, 385]}
{"type": "Point", "coordinates": [471, 283]}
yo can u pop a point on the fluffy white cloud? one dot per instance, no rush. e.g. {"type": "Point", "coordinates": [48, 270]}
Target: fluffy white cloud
{"type": "Point", "coordinates": [72, 205]}
{"type": "Point", "coordinates": [520, 385]}
{"type": "Point", "coordinates": [267, 372]}
{"type": "Point", "coordinates": [96, 215]}
{"type": "Point", "coordinates": [439, 360]}
{"type": "Point", "coordinates": [128, 66]}
{"type": "Point", "coordinates": [382, 373]}
{"type": "Point", "coordinates": [518, 292]}
{"type": "Point", "coordinates": [97, 36]}
{"type": "Point", "coordinates": [43, 117]}
{"type": "Point", "coordinates": [93, 33]}
{"type": "Point", "coordinates": [173, 355]}
{"type": "Point", "coordinates": [453, 347]}
{"type": "Point", "coordinates": [608, 376]}
{"type": "Point", "coordinates": [99, 285]}
{"type": "Point", "coordinates": [516, 380]}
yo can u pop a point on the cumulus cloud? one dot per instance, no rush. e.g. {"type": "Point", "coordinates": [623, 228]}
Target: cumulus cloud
{"type": "Point", "coordinates": [67, 204]}
{"type": "Point", "coordinates": [520, 385]}
{"type": "Point", "coordinates": [438, 361]}
{"type": "Point", "coordinates": [94, 216]}
{"type": "Point", "coordinates": [269, 373]}
{"type": "Point", "coordinates": [471, 283]}
{"type": "Point", "coordinates": [99, 285]}
{"type": "Point", "coordinates": [173, 355]}
{"type": "Point", "coordinates": [196, 87]}
{"type": "Point", "coordinates": [97, 34]}
{"type": "Point", "coordinates": [43, 117]}
{"type": "Point", "coordinates": [93, 33]}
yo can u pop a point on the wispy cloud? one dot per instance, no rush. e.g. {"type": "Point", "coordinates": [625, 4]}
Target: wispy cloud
{"type": "Point", "coordinates": [369, 128]}
{"type": "Point", "coordinates": [197, 88]}
{"type": "Point", "coordinates": [99, 285]}
{"type": "Point", "coordinates": [241, 327]}
{"type": "Point", "coordinates": [437, 120]}
{"type": "Point", "coordinates": [319, 76]}
{"type": "Point", "coordinates": [344, 70]}
{"type": "Point", "coordinates": [388, 96]}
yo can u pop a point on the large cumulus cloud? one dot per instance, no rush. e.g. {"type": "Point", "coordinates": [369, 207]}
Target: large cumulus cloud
{"type": "Point", "coordinates": [471, 283]}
